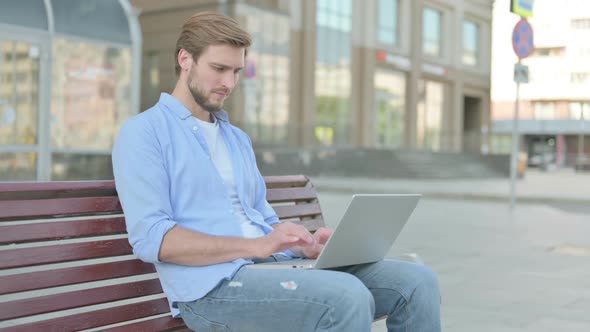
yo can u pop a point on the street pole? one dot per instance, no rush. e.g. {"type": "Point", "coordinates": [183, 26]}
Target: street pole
{"type": "Point", "coordinates": [514, 154]}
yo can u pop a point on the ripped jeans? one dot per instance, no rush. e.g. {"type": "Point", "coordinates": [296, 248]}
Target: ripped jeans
{"type": "Point", "coordinates": [341, 299]}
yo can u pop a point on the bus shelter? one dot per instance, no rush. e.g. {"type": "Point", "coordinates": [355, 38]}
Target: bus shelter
{"type": "Point", "coordinates": [69, 77]}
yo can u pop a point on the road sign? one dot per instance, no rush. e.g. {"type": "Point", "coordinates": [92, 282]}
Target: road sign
{"type": "Point", "coordinates": [522, 8]}
{"type": "Point", "coordinates": [522, 39]}
{"type": "Point", "coordinates": [521, 73]}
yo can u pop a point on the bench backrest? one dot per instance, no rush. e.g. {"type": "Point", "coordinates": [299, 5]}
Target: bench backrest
{"type": "Point", "coordinates": [65, 263]}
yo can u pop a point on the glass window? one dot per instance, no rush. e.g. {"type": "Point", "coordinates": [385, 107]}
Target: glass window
{"type": "Point", "coordinates": [29, 13]}
{"type": "Point", "coordinates": [387, 22]}
{"type": "Point", "coordinates": [90, 94]}
{"type": "Point", "coordinates": [265, 81]}
{"type": "Point", "coordinates": [470, 43]}
{"type": "Point", "coordinates": [549, 51]}
{"type": "Point", "coordinates": [95, 19]}
{"type": "Point", "coordinates": [581, 24]}
{"type": "Point", "coordinates": [544, 111]}
{"type": "Point", "coordinates": [81, 166]}
{"type": "Point", "coordinates": [429, 118]}
{"type": "Point", "coordinates": [580, 77]}
{"type": "Point", "coordinates": [19, 92]}
{"type": "Point", "coordinates": [579, 110]}
{"type": "Point", "coordinates": [390, 92]}
{"type": "Point", "coordinates": [20, 166]}
{"type": "Point", "coordinates": [332, 73]}
{"type": "Point", "coordinates": [150, 88]}
{"type": "Point", "coordinates": [431, 31]}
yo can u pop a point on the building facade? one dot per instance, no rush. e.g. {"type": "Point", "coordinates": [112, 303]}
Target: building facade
{"type": "Point", "coordinates": [392, 74]}
{"type": "Point", "coordinates": [350, 74]}
{"type": "Point", "coordinates": [554, 109]}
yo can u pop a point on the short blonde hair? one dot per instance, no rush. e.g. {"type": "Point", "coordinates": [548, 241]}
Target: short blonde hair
{"type": "Point", "coordinates": [209, 28]}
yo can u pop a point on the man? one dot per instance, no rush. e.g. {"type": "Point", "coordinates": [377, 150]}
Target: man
{"type": "Point", "coordinates": [195, 206]}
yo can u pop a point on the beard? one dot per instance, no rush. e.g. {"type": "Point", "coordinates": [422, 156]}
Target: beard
{"type": "Point", "coordinates": [201, 98]}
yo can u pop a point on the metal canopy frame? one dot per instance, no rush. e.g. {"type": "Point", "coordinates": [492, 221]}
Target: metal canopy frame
{"type": "Point", "coordinates": [44, 39]}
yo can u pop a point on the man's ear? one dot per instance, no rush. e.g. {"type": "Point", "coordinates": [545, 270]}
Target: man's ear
{"type": "Point", "coordinates": [185, 60]}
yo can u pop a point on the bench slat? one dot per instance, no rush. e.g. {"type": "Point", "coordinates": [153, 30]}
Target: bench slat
{"type": "Point", "coordinates": [62, 229]}
{"type": "Point", "coordinates": [312, 225]}
{"type": "Point", "coordinates": [21, 209]}
{"type": "Point", "coordinates": [285, 181]}
{"type": "Point", "coordinates": [76, 299]}
{"type": "Point", "coordinates": [63, 253]}
{"type": "Point", "coordinates": [158, 324]}
{"type": "Point", "coordinates": [73, 275]}
{"type": "Point", "coordinates": [298, 210]}
{"type": "Point", "coordinates": [279, 195]}
{"type": "Point", "coordinates": [56, 186]}
{"type": "Point", "coordinates": [97, 318]}
{"type": "Point", "coordinates": [33, 195]}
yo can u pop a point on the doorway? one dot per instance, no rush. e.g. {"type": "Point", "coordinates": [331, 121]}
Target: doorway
{"type": "Point", "coordinates": [472, 120]}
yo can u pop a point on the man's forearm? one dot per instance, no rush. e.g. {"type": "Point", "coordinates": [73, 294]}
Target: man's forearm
{"type": "Point", "coordinates": [185, 247]}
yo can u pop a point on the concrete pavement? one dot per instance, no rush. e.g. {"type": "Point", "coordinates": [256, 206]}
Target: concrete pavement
{"type": "Point", "coordinates": [562, 186]}
{"type": "Point", "coordinates": [499, 270]}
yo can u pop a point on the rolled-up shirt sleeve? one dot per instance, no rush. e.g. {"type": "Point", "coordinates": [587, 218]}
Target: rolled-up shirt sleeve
{"type": "Point", "coordinates": [143, 188]}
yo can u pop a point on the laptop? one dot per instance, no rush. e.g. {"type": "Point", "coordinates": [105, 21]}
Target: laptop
{"type": "Point", "coordinates": [364, 234]}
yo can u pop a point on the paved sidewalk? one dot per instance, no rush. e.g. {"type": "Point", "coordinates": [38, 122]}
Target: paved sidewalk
{"type": "Point", "coordinates": [562, 186]}
{"type": "Point", "coordinates": [500, 270]}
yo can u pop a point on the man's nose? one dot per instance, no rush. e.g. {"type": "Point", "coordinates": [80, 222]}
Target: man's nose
{"type": "Point", "coordinates": [229, 80]}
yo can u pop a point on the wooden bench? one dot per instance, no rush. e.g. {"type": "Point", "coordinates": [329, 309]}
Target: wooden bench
{"type": "Point", "coordinates": [65, 263]}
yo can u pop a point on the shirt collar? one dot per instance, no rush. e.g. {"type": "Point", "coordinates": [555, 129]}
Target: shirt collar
{"type": "Point", "coordinates": [181, 111]}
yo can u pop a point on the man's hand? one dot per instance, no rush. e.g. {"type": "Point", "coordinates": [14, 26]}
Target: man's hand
{"type": "Point", "coordinates": [314, 249]}
{"type": "Point", "coordinates": [284, 236]}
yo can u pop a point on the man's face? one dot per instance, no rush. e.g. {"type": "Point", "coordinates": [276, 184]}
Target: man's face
{"type": "Point", "coordinates": [214, 75]}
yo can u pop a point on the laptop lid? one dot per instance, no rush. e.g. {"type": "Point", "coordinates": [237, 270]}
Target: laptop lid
{"type": "Point", "coordinates": [367, 230]}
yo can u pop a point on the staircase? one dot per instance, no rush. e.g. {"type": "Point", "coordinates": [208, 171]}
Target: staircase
{"type": "Point", "coordinates": [374, 163]}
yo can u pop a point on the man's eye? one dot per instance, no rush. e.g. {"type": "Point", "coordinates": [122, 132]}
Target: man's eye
{"type": "Point", "coordinates": [219, 69]}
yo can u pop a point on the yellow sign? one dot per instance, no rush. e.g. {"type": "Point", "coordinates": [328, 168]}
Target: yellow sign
{"type": "Point", "coordinates": [522, 8]}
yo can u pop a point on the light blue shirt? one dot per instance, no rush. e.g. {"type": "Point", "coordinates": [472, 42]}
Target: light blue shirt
{"type": "Point", "coordinates": [165, 177]}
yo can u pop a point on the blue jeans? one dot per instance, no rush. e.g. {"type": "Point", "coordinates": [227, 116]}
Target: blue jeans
{"type": "Point", "coordinates": [341, 299]}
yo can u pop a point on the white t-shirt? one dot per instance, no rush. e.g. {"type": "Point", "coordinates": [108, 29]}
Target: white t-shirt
{"type": "Point", "coordinates": [222, 161]}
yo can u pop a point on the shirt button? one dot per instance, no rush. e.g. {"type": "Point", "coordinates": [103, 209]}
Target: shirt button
{"type": "Point", "coordinates": [195, 128]}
